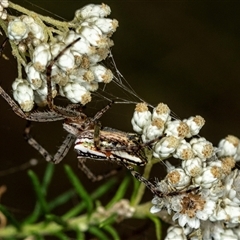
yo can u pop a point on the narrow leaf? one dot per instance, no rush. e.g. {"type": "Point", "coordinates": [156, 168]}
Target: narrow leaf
{"type": "Point", "coordinates": [61, 199]}
{"type": "Point", "coordinates": [108, 221]}
{"type": "Point", "coordinates": [95, 195]}
{"type": "Point", "coordinates": [120, 192]}
{"type": "Point", "coordinates": [10, 217]}
{"type": "Point", "coordinates": [34, 215]}
{"type": "Point", "coordinates": [47, 176]}
{"type": "Point", "coordinates": [112, 232]}
{"type": "Point", "coordinates": [98, 233]}
{"type": "Point", "coordinates": [40, 193]}
{"type": "Point", "coordinates": [79, 188]}
{"type": "Point", "coordinates": [158, 227]}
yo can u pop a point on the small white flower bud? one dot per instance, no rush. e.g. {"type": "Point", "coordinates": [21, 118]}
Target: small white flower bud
{"type": "Point", "coordinates": [195, 124]}
{"type": "Point", "coordinates": [217, 231]}
{"type": "Point", "coordinates": [231, 184]}
{"type": "Point", "coordinates": [229, 212]}
{"type": "Point", "coordinates": [83, 75]}
{"type": "Point", "coordinates": [93, 10]}
{"type": "Point", "coordinates": [228, 163]}
{"type": "Point", "coordinates": [41, 56]}
{"type": "Point", "coordinates": [99, 56]}
{"type": "Point", "coordinates": [162, 111]}
{"type": "Point", "coordinates": [175, 232]}
{"type": "Point", "coordinates": [225, 164]}
{"type": "Point", "coordinates": [208, 177]}
{"type": "Point", "coordinates": [42, 92]}
{"type": "Point", "coordinates": [106, 25]}
{"type": "Point", "coordinates": [22, 47]}
{"type": "Point", "coordinates": [39, 99]}
{"type": "Point", "coordinates": [33, 76]}
{"type": "Point", "coordinates": [94, 36]}
{"type": "Point", "coordinates": [193, 167]}
{"type": "Point", "coordinates": [165, 147]}
{"type": "Point", "coordinates": [3, 14]}
{"type": "Point", "coordinates": [101, 74]}
{"type": "Point", "coordinates": [177, 128]}
{"type": "Point", "coordinates": [228, 233]}
{"type": "Point", "coordinates": [90, 86]}
{"type": "Point", "coordinates": [228, 146]}
{"type": "Point", "coordinates": [178, 178]}
{"type": "Point", "coordinates": [17, 30]}
{"type": "Point", "coordinates": [4, 3]}
{"type": "Point", "coordinates": [75, 93]}
{"type": "Point", "coordinates": [202, 148]}
{"type": "Point", "coordinates": [35, 42]}
{"type": "Point", "coordinates": [35, 29]}
{"type": "Point", "coordinates": [184, 151]}
{"type": "Point", "coordinates": [81, 47]}
{"type": "Point", "coordinates": [153, 130]}
{"type": "Point", "coordinates": [66, 61]}
{"type": "Point", "coordinates": [141, 117]}
{"type": "Point", "coordinates": [23, 94]}
{"type": "Point", "coordinates": [27, 19]}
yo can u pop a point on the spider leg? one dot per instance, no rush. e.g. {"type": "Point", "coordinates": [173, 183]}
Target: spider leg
{"type": "Point", "coordinates": [91, 175]}
{"type": "Point", "coordinates": [33, 116]}
{"type": "Point", "coordinates": [143, 145]}
{"type": "Point", "coordinates": [153, 188]}
{"type": "Point", "coordinates": [143, 180]}
{"type": "Point", "coordinates": [49, 73]}
{"type": "Point", "coordinates": [96, 136]}
{"type": "Point", "coordinates": [59, 155]}
{"type": "Point", "coordinates": [97, 125]}
{"type": "Point", "coordinates": [101, 112]}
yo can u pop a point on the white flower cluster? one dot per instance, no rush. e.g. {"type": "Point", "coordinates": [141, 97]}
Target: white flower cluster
{"type": "Point", "coordinates": [3, 13]}
{"type": "Point", "coordinates": [173, 133]}
{"type": "Point", "coordinates": [78, 70]}
{"type": "Point", "coordinates": [206, 188]}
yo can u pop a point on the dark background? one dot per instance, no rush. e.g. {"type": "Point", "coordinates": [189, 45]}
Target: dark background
{"type": "Point", "coordinates": [183, 53]}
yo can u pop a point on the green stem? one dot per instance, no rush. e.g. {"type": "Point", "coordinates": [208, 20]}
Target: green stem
{"type": "Point", "coordinates": [46, 19]}
{"type": "Point", "coordinates": [146, 174]}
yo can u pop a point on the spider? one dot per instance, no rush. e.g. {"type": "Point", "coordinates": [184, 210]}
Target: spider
{"type": "Point", "coordinates": [91, 142]}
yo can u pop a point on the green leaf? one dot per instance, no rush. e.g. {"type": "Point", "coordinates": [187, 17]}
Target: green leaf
{"type": "Point", "coordinates": [61, 199]}
{"type": "Point", "coordinates": [61, 236]}
{"type": "Point", "coordinates": [103, 189]}
{"type": "Point", "coordinates": [136, 185]}
{"type": "Point", "coordinates": [40, 192]}
{"type": "Point", "coordinates": [10, 217]}
{"type": "Point", "coordinates": [158, 226]}
{"type": "Point", "coordinates": [98, 233]}
{"type": "Point", "coordinates": [47, 176]}
{"type": "Point", "coordinates": [120, 192]}
{"type": "Point", "coordinates": [80, 234]}
{"type": "Point", "coordinates": [108, 221]}
{"type": "Point", "coordinates": [34, 215]}
{"type": "Point", "coordinates": [112, 232]}
{"type": "Point", "coordinates": [95, 195]}
{"type": "Point", "coordinates": [81, 191]}
{"type": "Point", "coordinates": [46, 181]}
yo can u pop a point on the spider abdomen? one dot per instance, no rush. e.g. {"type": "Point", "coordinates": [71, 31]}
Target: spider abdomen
{"type": "Point", "coordinates": [110, 145]}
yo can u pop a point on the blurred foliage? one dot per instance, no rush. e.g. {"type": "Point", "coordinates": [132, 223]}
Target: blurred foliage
{"type": "Point", "coordinates": [88, 217]}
